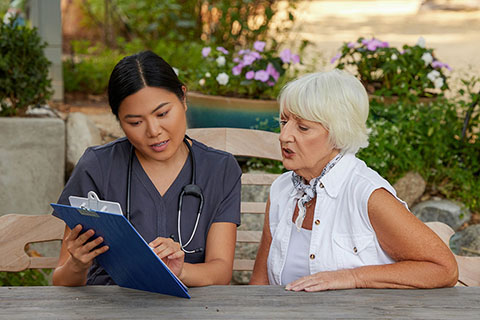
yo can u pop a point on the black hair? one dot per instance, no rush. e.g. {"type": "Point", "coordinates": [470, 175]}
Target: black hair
{"type": "Point", "coordinates": [135, 72]}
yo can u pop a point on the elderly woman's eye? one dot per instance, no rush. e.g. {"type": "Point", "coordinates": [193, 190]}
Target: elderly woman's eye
{"type": "Point", "coordinates": [303, 128]}
{"type": "Point", "coordinates": [283, 122]}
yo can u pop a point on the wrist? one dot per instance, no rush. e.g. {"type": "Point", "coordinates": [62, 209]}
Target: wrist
{"type": "Point", "coordinates": [77, 267]}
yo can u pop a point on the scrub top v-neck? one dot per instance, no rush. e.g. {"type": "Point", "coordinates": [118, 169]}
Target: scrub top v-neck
{"type": "Point", "coordinates": [103, 169]}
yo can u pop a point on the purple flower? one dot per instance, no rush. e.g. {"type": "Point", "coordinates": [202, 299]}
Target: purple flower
{"type": "Point", "coordinates": [337, 56]}
{"type": "Point", "coordinates": [262, 75]}
{"type": "Point", "coordinates": [237, 69]}
{"type": "Point", "coordinates": [206, 51]}
{"type": "Point", "coordinates": [248, 59]}
{"type": "Point", "coordinates": [295, 58]}
{"type": "Point", "coordinates": [243, 51]}
{"type": "Point", "coordinates": [438, 65]}
{"type": "Point", "coordinates": [236, 60]}
{"type": "Point", "coordinates": [222, 50]}
{"type": "Point", "coordinates": [373, 44]}
{"type": "Point", "coordinates": [259, 45]}
{"type": "Point", "coordinates": [351, 45]}
{"type": "Point", "coordinates": [250, 74]}
{"type": "Point", "coordinates": [271, 83]}
{"type": "Point", "coordinates": [256, 55]}
{"type": "Point", "coordinates": [273, 72]}
{"type": "Point", "coordinates": [286, 55]}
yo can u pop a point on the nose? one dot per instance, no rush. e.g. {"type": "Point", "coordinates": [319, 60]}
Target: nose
{"type": "Point", "coordinates": [153, 129]}
{"type": "Point", "coordinates": [285, 133]}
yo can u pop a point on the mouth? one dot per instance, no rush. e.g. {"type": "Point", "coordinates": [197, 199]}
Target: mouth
{"type": "Point", "coordinates": [160, 146]}
{"type": "Point", "coordinates": [287, 153]}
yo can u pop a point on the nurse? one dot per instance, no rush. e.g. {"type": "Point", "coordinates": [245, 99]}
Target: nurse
{"type": "Point", "coordinates": [152, 164]}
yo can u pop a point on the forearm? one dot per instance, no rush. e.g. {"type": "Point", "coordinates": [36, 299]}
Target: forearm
{"type": "Point", "coordinates": [69, 275]}
{"type": "Point", "coordinates": [405, 274]}
{"type": "Point", "coordinates": [215, 272]}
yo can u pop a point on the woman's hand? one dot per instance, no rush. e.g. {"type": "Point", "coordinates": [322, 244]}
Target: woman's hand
{"type": "Point", "coordinates": [328, 280]}
{"type": "Point", "coordinates": [81, 250]}
{"type": "Point", "coordinates": [170, 252]}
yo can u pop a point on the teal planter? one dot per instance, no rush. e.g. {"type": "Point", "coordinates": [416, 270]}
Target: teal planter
{"type": "Point", "coordinates": [206, 111]}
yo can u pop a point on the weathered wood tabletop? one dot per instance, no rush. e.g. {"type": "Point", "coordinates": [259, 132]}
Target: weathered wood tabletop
{"type": "Point", "coordinates": [237, 302]}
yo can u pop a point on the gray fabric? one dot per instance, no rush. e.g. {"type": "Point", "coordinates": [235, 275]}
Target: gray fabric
{"type": "Point", "coordinates": [103, 169]}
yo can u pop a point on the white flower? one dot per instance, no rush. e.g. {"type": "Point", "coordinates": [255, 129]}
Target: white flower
{"type": "Point", "coordinates": [201, 82]}
{"type": "Point", "coordinates": [394, 57]}
{"type": "Point", "coordinates": [427, 58]}
{"type": "Point", "coordinates": [438, 83]}
{"type": "Point", "coordinates": [222, 78]}
{"type": "Point", "coordinates": [421, 42]}
{"type": "Point", "coordinates": [221, 61]}
{"type": "Point", "coordinates": [175, 70]}
{"type": "Point", "coordinates": [208, 75]}
{"type": "Point", "coordinates": [433, 75]}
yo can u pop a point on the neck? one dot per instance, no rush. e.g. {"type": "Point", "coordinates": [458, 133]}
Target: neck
{"type": "Point", "coordinates": [311, 173]}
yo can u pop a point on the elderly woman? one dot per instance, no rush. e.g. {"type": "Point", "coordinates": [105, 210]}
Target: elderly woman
{"type": "Point", "coordinates": [332, 222]}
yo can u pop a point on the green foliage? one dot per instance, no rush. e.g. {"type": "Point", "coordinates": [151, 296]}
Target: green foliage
{"type": "Point", "coordinates": [386, 71]}
{"type": "Point", "coordinates": [29, 277]}
{"type": "Point", "coordinates": [426, 137]}
{"type": "Point", "coordinates": [23, 69]}
{"type": "Point", "coordinates": [220, 22]}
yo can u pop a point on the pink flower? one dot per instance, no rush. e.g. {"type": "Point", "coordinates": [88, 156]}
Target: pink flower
{"type": "Point", "coordinates": [271, 83]}
{"type": "Point", "coordinates": [243, 51]}
{"type": "Point", "coordinates": [262, 75]}
{"type": "Point", "coordinates": [438, 65]}
{"type": "Point", "coordinates": [337, 56]}
{"type": "Point", "coordinates": [286, 55]}
{"type": "Point", "coordinates": [237, 69]}
{"type": "Point", "coordinates": [273, 72]}
{"type": "Point", "coordinates": [259, 45]}
{"type": "Point", "coordinates": [250, 74]}
{"type": "Point", "coordinates": [206, 51]}
{"type": "Point", "coordinates": [222, 50]}
{"type": "Point", "coordinates": [295, 58]}
{"type": "Point", "coordinates": [373, 44]}
{"type": "Point", "coordinates": [248, 59]}
{"type": "Point", "coordinates": [351, 45]}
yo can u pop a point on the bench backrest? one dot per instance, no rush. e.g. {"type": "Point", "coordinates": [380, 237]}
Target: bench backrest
{"type": "Point", "coordinates": [17, 231]}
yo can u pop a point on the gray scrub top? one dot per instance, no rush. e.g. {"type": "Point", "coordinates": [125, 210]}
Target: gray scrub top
{"type": "Point", "coordinates": [103, 169]}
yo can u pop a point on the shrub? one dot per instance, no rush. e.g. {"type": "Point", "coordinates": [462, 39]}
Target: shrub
{"type": "Point", "coordinates": [23, 69]}
{"type": "Point", "coordinates": [412, 72]}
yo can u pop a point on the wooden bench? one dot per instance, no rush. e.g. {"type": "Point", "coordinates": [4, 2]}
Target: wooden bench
{"type": "Point", "coordinates": [16, 231]}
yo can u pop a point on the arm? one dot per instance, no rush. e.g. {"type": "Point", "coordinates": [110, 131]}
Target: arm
{"type": "Point", "coordinates": [76, 256]}
{"type": "Point", "coordinates": [422, 260]}
{"type": "Point", "coordinates": [219, 253]}
{"type": "Point", "coordinates": [260, 275]}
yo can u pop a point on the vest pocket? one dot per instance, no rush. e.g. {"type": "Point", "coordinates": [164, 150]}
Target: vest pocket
{"type": "Point", "coordinates": [354, 250]}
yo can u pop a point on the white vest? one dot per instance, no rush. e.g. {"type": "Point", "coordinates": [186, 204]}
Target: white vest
{"type": "Point", "coordinates": [342, 236]}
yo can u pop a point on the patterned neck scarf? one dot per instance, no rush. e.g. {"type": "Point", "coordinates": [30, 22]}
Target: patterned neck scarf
{"type": "Point", "coordinates": [309, 190]}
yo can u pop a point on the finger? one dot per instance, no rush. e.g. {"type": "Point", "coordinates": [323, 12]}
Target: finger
{"type": "Point", "coordinates": [302, 283]}
{"type": "Point", "coordinates": [177, 255]}
{"type": "Point", "coordinates": [93, 254]}
{"type": "Point", "coordinates": [92, 244]}
{"type": "Point", "coordinates": [85, 236]}
{"type": "Point", "coordinates": [317, 287]}
{"type": "Point", "coordinates": [296, 283]}
{"type": "Point", "coordinates": [73, 234]}
{"type": "Point", "coordinates": [159, 241]}
{"type": "Point", "coordinates": [164, 251]}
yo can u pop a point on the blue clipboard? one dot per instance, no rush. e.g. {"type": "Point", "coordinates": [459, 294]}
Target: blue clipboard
{"type": "Point", "coordinates": [130, 261]}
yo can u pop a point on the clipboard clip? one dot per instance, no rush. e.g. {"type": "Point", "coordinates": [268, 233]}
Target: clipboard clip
{"type": "Point", "coordinates": [87, 206]}
{"type": "Point", "coordinates": [87, 209]}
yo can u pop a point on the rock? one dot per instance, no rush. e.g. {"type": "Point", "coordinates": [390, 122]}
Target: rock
{"type": "Point", "coordinates": [467, 241]}
{"type": "Point", "coordinates": [81, 134]}
{"type": "Point", "coordinates": [410, 187]}
{"type": "Point", "coordinates": [449, 212]}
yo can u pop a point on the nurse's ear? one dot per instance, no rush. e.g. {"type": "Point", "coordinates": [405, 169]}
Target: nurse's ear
{"type": "Point", "coordinates": [184, 100]}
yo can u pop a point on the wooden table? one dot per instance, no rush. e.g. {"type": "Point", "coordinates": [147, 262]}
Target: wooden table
{"type": "Point", "coordinates": [237, 302]}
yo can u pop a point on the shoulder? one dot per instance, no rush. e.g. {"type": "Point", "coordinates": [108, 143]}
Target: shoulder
{"type": "Point", "coordinates": [282, 185]}
{"type": "Point", "coordinates": [214, 158]}
{"type": "Point", "coordinates": [364, 177]}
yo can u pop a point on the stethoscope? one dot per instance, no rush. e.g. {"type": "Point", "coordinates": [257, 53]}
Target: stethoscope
{"type": "Point", "coordinates": [188, 190]}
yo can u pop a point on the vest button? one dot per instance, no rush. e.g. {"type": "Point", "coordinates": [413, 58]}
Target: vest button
{"type": "Point", "coordinates": [321, 185]}
{"type": "Point", "coordinates": [317, 222]}
{"type": "Point", "coordinates": [312, 256]}
{"type": "Point", "coordinates": [355, 249]}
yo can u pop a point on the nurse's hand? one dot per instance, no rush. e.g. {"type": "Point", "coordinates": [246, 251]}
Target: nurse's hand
{"type": "Point", "coordinates": [170, 252]}
{"type": "Point", "coordinates": [82, 252]}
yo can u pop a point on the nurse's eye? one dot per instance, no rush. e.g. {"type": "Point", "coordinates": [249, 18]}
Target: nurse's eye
{"type": "Point", "coordinates": [163, 114]}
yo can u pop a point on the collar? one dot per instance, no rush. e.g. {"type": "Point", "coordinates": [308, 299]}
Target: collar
{"type": "Point", "coordinates": [335, 178]}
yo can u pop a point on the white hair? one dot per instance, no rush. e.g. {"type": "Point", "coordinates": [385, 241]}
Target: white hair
{"type": "Point", "coordinates": [337, 100]}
